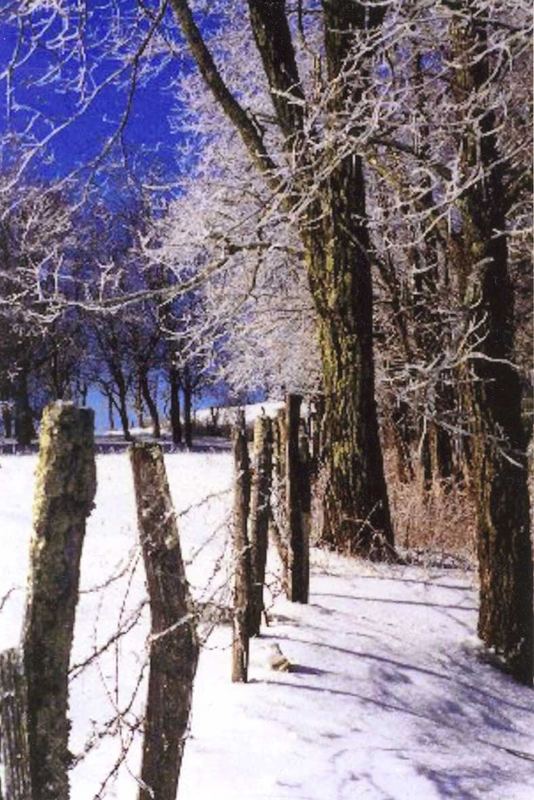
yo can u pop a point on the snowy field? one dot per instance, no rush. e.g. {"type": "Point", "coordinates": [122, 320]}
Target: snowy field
{"type": "Point", "coordinates": [386, 700]}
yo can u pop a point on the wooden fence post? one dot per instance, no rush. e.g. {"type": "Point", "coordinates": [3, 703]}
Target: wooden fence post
{"type": "Point", "coordinates": [259, 516]}
{"type": "Point", "coordinates": [298, 560]}
{"type": "Point", "coordinates": [173, 639]}
{"type": "Point", "coordinates": [65, 489]}
{"type": "Point", "coordinates": [15, 755]}
{"type": "Point", "coordinates": [242, 570]}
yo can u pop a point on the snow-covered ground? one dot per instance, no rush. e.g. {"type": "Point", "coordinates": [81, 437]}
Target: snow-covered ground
{"type": "Point", "coordinates": [386, 699]}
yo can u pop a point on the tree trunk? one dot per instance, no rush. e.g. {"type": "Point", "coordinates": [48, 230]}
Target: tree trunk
{"type": "Point", "coordinates": [111, 417]}
{"type": "Point", "coordinates": [356, 510]}
{"type": "Point", "coordinates": [176, 421]}
{"type": "Point", "coordinates": [298, 559]}
{"type": "Point", "coordinates": [436, 454]}
{"type": "Point", "coordinates": [123, 410]}
{"type": "Point", "coordinates": [399, 426]}
{"type": "Point", "coordinates": [151, 405]}
{"type": "Point", "coordinates": [259, 515]}
{"type": "Point", "coordinates": [7, 421]}
{"type": "Point", "coordinates": [336, 239]}
{"type": "Point", "coordinates": [188, 407]}
{"type": "Point", "coordinates": [305, 496]}
{"type": "Point", "coordinates": [24, 427]}
{"type": "Point", "coordinates": [65, 488]}
{"type": "Point", "coordinates": [278, 517]}
{"type": "Point", "coordinates": [493, 395]}
{"type": "Point", "coordinates": [242, 570]}
{"type": "Point", "coordinates": [139, 408]}
{"type": "Point", "coordinates": [173, 639]}
{"type": "Point", "coordinates": [15, 757]}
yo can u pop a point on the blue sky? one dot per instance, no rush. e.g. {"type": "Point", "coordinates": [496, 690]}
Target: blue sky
{"type": "Point", "coordinates": [44, 86]}
{"type": "Point", "coordinates": [37, 87]}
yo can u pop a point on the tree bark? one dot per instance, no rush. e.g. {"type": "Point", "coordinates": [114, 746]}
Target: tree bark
{"type": "Point", "coordinates": [259, 515]}
{"type": "Point", "coordinates": [242, 569]}
{"type": "Point", "coordinates": [176, 421]}
{"type": "Point", "coordinates": [123, 409]}
{"type": "Point", "coordinates": [173, 639]}
{"type": "Point", "coordinates": [65, 489]}
{"type": "Point", "coordinates": [188, 407]}
{"type": "Point", "coordinates": [24, 427]}
{"type": "Point", "coordinates": [278, 517]}
{"type": "Point", "coordinates": [7, 421]}
{"type": "Point", "coordinates": [499, 473]}
{"type": "Point", "coordinates": [151, 405]}
{"type": "Point", "coordinates": [15, 756]}
{"type": "Point", "coordinates": [305, 494]}
{"type": "Point", "coordinates": [111, 417]}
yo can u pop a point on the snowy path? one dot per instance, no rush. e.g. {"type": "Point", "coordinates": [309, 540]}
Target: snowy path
{"type": "Point", "coordinates": [387, 700]}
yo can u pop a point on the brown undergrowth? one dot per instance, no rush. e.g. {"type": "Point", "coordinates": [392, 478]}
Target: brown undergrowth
{"type": "Point", "coordinates": [436, 518]}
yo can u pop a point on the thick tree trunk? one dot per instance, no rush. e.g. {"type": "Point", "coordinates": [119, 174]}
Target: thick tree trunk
{"type": "Point", "coordinates": [173, 640]}
{"type": "Point", "coordinates": [499, 475]}
{"type": "Point", "coordinates": [242, 568]}
{"type": "Point", "coordinates": [259, 515]}
{"type": "Point", "coordinates": [356, 509]}
{"type": "Point", "coordinates": [65, 488]}
{"type": "Point", "coordinates": [15, 756]}
{"type": "Point", "coordinates": [175, 418]}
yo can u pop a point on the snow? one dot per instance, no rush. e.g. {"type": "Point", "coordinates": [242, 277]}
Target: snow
{"type": "Point", "coordinates": [227, 414]}
{"type": "Point", "coordinates": [387, 697]}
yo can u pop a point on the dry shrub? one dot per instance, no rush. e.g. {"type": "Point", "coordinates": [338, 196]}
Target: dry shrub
{"type": "Point", "coordinates": [439, 519]}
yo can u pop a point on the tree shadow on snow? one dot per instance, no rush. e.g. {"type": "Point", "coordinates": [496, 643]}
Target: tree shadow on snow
{"type": "Point", "coordinates": [460, 711]}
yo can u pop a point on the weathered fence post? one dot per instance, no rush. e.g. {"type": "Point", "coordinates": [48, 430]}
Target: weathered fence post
{"type": "Point", "coordinates": [173, 638]}
{"type": "Point", "coordinates": [242, 570]}
{"type": "Point", "coordinates": [15, 756]}
{"type": "Point", "coordinates": [259, 516]}
{"type": "Point", "coordinates": [298, 560]}
{"type": "Point", "coordinates": [65, 489]}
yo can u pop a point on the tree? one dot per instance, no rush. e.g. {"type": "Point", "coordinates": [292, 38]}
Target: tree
{"type": "Point", "coordinates": [455, 166]}
{"type": "Point", "coordinates": [329, 209]}
{"type": "Point", "coordinates": [493, 393]}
